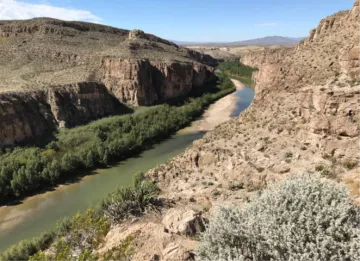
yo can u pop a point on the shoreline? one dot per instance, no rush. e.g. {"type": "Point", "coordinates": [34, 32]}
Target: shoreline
{"type": "Point", "coordinates": [220, 111]}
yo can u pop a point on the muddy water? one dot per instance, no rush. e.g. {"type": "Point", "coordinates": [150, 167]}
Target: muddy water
{"type": "Point", "coordinates": [39, 213]}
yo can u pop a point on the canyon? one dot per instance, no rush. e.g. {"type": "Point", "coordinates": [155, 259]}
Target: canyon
{"type": "Point", "coordinates": [304, 119]}
{"type": "Point", "coordinates": [57, 74]}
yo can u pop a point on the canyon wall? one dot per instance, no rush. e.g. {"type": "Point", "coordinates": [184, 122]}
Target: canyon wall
{"type": "Point", "coordinates": [144, 82]}
{"type": "Point", "coordinates": [24, 116]}
{"type": "Point", "coordinates": [330, 52]}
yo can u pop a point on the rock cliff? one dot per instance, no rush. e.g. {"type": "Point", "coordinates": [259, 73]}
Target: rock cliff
{"type": "Point", "coordinates": [305, 118]}
{"type": "Point", "coordinates": [144, 82]}
{"type": "Point", "coordinates": [27, 115]}
{"type": "Point", "coordinates": [60, 74]}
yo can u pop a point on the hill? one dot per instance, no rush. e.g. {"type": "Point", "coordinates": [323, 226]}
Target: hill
{"type": "Point", "coordinates": [268, 40]}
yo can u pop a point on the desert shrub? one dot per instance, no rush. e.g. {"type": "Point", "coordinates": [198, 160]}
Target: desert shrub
{"type": "Point", "coordinates": [235, 185]}
{"type": "Point", "coordinates": [88, 229]}
{"type": "Point", "coordinates": [26, 248]}
{"type": "Point", "coordinates": [303, 218]}
{"type": "Point", "coordinates": [78, 234]}
{"type": "Point", "coordinates": [131, 201]}
{"type": "Point", "coordinates": [122, 252]}
{"type": "Point", "coordinates": [349, 164]}
{"type": "Point", "coordinates": [288, 154]}
{"type": "Point", "coordinates": [62, 251]}
{"type": "Point", "coordinates": [320, 167]}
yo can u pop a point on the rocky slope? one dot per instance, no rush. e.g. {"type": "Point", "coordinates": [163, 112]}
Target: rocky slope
{"type": "Point", "coordinates": [61, 74]}
{"type": "Point", "coordinates": [304, 118]}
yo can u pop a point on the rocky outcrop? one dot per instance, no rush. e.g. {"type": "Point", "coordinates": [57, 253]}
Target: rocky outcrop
{"type": "Point", "coordinates": [24, 116]}
{"type": "Point", "coordinates": [183, 222]}
{"type": "Point", "coordinates": [355, 12]}
{"type": "Point", "coordinates": [53, 26]}
{"type": "Point", "coordinates": [79, 103]}
{"type": "Point", "coordinates": [150, 242]}
{"type": "Point", "coordinates": [144, 82]}
{"type": "Point", "coordinates": [331, 50]}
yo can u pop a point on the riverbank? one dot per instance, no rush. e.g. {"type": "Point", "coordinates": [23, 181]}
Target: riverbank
{"type": "Point", "coordinates": [221, 111]}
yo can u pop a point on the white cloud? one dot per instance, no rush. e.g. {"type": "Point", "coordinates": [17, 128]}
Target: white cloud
{"type": "Point", "coordinates": [13, 10]}
{"type": "Point", "coordinates": [267, 24]}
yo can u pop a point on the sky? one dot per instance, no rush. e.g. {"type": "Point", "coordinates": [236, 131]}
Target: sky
{"type": "Point", "coordinates": [187, 20]}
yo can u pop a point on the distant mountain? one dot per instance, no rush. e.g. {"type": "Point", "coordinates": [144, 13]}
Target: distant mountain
{"type": "Point", "coordinates": [268, 40]}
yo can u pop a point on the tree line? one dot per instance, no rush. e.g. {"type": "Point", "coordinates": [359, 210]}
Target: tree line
{"type": "Point", "coordinates": [239, 71]}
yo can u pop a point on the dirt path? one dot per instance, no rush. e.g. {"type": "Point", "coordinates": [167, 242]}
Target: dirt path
{"type": "Point", "coordinates": [221, 110]}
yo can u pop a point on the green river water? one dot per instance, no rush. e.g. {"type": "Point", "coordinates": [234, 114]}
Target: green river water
{"type": "Point", "coordinates": [39, 213]}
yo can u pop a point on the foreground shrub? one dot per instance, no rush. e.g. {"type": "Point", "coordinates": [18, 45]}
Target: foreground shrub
{"type": "Point", "coordinates": [26, 248]}
{"type": "Point", "coordinates": [303, 218]}
{"type": "Point", "coordinates": [80, 235]}
{"type": "Point", "coordinates": [87, 230]}
{"type": "Point", "coordinates": [131, 201]}
{"type": "Point", "coordinates": [62, 251]}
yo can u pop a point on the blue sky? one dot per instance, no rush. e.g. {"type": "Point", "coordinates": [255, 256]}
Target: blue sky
{"type": "Point", "coordinates": [188, 20]}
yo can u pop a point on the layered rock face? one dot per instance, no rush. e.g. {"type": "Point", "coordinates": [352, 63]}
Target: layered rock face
{"type": "Point", "coordinates": [27, 115]}
{"type": "Point", "coordinates": [61, 74]}
{"type": "Point", "coordinates": [144, 82]}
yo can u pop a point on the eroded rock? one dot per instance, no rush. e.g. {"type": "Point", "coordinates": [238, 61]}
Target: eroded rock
{"type": "Point", "coordinates": [183, 222]}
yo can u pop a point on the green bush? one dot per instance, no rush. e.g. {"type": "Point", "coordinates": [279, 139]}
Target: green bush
{"type": "Point", "coordinates": [237, 70]}
{"type": "Point", "coordinates": [303, 218]}
{"type": "Point", "coordinates": [87, 230]}
{"type": "Point", "coordinates": [133, 200]}
{"type": "Point", "coordinates": [82, 231]}
{"type": "Point", "coordinates": [26, 248]}
{"type": "Point", "coordinates": [64, 252]}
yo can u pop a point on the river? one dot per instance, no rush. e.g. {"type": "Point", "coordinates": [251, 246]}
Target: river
{"type": "Point", "coordinates": [39, 213]}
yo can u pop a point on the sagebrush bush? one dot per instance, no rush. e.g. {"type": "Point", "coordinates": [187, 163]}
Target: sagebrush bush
{"type": "Point", "coordinates": [303, 218]}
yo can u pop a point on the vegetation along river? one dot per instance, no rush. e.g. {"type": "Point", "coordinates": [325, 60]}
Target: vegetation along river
{"type": "Point", "coordinates": [39, 213]}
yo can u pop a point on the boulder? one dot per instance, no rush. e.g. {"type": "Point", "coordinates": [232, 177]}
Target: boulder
{"type": "Point", "coordinates": [134, 34]}
{"type": "Point", "coordinates": [183, 222]}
